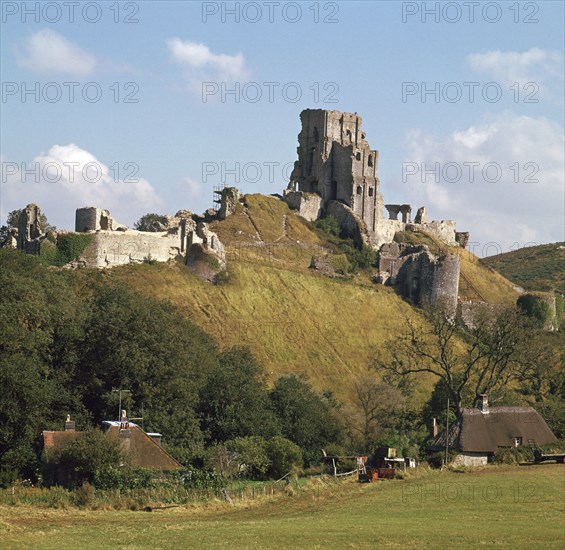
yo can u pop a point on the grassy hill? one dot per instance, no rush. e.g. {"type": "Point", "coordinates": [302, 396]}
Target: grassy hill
{"type": "Point", "coordinates": [533, 268]}
{"type": "Point", "coordinates": [292, 318]}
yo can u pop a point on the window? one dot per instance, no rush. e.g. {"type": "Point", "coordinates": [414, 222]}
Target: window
{"type": "Point", "coordinates": [358, 155]}
{"type": "Point", "coordinates": [517, 441]}
{"type": "Point", "coordinates": [370, 191]}
{"type": "Point", "coordinates": [316, 135]}
{"type": "Point", "coordinates": [370, 161]}
{"type": "Point", "coordinates": [359, 190]}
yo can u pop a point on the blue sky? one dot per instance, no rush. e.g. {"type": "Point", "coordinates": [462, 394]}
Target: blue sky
{"type": "Point", "coordinates": [361, 55]}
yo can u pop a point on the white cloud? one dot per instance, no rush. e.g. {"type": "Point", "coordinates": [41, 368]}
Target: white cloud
{"type": "Point", "coordinates": [526, 204]}
{"type": "Point", "coordinates": [69, 177]}
{"type": "Point", "coordinates": [534, 65]}
{"type": "Point", "coordinates": [201, 65]}
{"type": "Point", "coordinates": [49, 52]}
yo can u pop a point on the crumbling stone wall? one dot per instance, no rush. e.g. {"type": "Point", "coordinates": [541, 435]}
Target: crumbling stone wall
{"type": "Point", "coordinates": [420, 276]}
{"type": "Point", "coordinates": [229, 200]}
{"type": "Point", "coordinates": [29, 230]}
{"type": "Point", "coordinates": [91, 218]}
{"type": "Point", "coordinates": [309, 205]}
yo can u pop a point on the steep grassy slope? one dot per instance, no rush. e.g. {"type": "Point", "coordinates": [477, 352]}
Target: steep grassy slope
{"type": "Point", "coordinates": [293, 322]}
{"type": "Point", "coordinates": [292, 318]}
{"type": "Point", "coordinates": [534, 268]}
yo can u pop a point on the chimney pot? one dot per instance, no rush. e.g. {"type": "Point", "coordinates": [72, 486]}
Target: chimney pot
{"type": "Point", "coordinates": [69, 424]}
{"type": "Point", "coordinates": [483, 403]}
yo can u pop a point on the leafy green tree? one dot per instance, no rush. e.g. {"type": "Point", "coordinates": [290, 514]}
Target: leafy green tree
{"type": "Point", "coordinates": [149, 348]}
{"type": "Point", "coordinates": [307, 418]}
{"type": "Point", "coordinates": [92, 451]}
{"type": "Point", "coordinates": [251, 455]}
{"type": "Point", "coordinates": [40, 332]}
{"type": "Point", "coordinates": [234, 401]}
{"type": "Point", "coordinates": [283, 456]}
{"type": "Point", "coordinates": [151, 222]}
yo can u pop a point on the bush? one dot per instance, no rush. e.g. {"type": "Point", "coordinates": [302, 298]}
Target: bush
{"type": "Point", "coordinates": [284, 456]}
{"type": "Point", "coordinates": [329, 225]}
{"type": "Point", "coordinates": [535, 307]}
{"type": "Point", "coordinates": [513, 456]}
{"type": "Point", "coordinates": [89, 453]}
{"type": "Point", "coordinates": [253, 460]}
{"type": "Point", "coordinates": [436, 460]}
{"type": "Point", "coordinates": [112, 477]}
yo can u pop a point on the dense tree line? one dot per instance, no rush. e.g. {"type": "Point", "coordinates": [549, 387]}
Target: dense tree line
{"type": "Point", "coordinates": [65, 348]}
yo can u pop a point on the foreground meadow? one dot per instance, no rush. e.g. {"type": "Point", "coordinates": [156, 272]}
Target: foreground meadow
{"type": "Point", "coordinates": [501, 507]}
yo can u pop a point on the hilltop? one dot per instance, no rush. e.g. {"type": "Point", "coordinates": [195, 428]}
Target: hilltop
{"type": "Point", "coordinates": [293, 318]}
{"type": "Point", "coordinates": [539, 267]}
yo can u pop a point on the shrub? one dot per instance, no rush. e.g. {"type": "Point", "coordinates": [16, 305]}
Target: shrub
{"type": "Point", "coordinates": [113, 477]}
{"type": "Point", "coordinates": [513, 456]}
{"type": "Point", "coordinates": [284, 456]}
{"type": "Point", "coordinates": [253, 460]}
{"type": "Point", "coordinates": [90, 452]}
{"type": "Point", "coordinates": [328, 225]}
{"type": "Point", "coordinates": [535, 307]}
{"type": "Point", "coordinates": [436, 460]}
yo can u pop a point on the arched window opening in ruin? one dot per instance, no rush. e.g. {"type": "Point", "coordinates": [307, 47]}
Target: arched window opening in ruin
{"type": "Point", "coordinates": [371, 190]}
{"type": "Point", "coordinates": [348, 134]}
{"type": "Point", "coordinates": [359, 190]}
{"type": "Point", "coordinates": [358, 155]}
{"type": "Point", "coordinates": [370, 160]}
{"type": "Point", "coordinates": [316, 135]}
{"type": "Point", "coordinates": [311, 161]}
{"type": "Point", "coordinates": [314, 186]}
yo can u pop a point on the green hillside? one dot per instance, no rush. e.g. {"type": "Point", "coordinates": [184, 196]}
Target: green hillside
{"type": "Point", "coordinates": [533, 268]}
{"type": "Point", "coordinates": [292, 318]}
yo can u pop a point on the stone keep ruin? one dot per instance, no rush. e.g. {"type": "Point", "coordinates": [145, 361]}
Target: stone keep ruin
{"type": "Point", "coordinates": [336, 174]}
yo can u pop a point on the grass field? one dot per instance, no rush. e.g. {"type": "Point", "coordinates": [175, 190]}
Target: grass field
{"type": "Point", "coordinates": [500, 507]}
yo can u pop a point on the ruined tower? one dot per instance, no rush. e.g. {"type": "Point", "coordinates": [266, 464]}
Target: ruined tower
{"type": "Point", "coordinates": [336, 162]}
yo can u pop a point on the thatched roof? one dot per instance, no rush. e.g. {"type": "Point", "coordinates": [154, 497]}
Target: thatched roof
{"type": "Point", "coordinates": [485, 432]}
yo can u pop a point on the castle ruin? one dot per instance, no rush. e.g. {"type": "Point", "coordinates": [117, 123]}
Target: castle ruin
{"type": "Point", "coordinates": [337, 174]}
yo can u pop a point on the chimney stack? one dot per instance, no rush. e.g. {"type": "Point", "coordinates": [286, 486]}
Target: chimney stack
{"type": "Point", "coordinates": [483, 403]}
{"type": "Point", "coordinates": [69, 424]}
{"type": "Point", "coordinates": [434, 430]}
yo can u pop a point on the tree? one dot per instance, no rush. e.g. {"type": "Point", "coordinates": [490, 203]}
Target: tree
{"type": "Point", "coordinates": [284, 456]}
{"type": "Point", "coordinates": [307, 418]}
{"type": "Point", "coordinates": [376, 404]}
{"type": "Point", "coordinates": [234, 400]}
{"type": "Point", "coordinates": [91, 452]}
{"type": "Point", "coordinates": [494, 351]}
{"type": "Point", "coordinates": [41, 331]}
{"type": "Point", "coordinates": [151, 222]}
{"type": "Point", "coordinates": [149, 348]}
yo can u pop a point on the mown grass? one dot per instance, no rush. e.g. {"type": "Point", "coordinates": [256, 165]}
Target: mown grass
{"type": "Point", "coordinates": [495, 507]}
{"type": "Point", "coordinates": [534, 268]}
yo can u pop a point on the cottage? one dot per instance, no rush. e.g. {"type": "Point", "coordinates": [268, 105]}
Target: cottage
{"type": "Point", "coordinates": [482, 430]}
{"type": "Point", "coordinates": [143, 449]}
